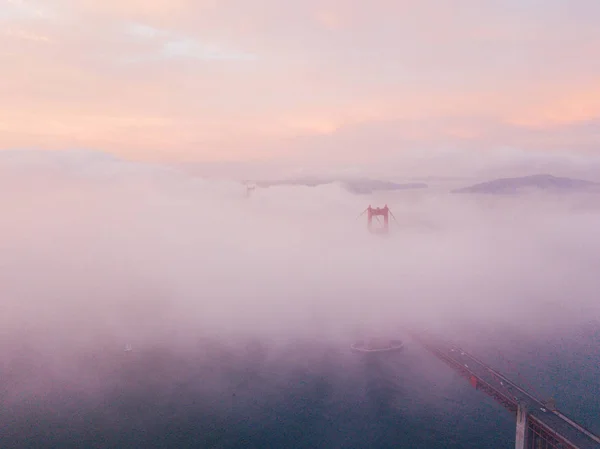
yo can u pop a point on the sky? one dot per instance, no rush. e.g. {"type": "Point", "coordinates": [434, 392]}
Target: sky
{"type": "Point", "coordinates": [326, 81]}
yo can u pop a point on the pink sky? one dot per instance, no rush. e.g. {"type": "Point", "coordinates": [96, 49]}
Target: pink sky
{"type": "Point", "coordinates": [209, 80]}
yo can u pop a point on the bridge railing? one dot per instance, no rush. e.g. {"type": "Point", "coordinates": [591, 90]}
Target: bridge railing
{"type": "Point", "coordinates": [507, 401]}
{"type": "Point", "coordinates": [543, 436]}
{"type": "Point", "coordinates": [540, 434]}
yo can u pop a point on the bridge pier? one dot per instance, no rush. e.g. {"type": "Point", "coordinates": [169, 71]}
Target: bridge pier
{"type": "Point", "coordinates": [521, 436]}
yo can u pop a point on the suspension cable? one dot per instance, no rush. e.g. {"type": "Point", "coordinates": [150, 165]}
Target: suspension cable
{"type": "Point", "coordinates": [394, 217]}
{"type": "Point", "coordinates": [362, 213]}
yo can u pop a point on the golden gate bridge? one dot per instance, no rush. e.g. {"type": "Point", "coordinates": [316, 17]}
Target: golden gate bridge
{"type": "Point", "coordinates": [373, 214]}
{"type": "Point", "coordinates": [539, 424]}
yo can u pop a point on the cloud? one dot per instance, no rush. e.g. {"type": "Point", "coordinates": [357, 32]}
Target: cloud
{"type": "Point", "coordinates": [21, 9]}
{"type": "Point", "coordinates": [171, 45]}
{"type": "Point", "coordinates": [95, 240]}
{"type": "Point", "coordinates": [211, 288]}
{"type": "Point", "coordinates": [229, 79]}
{"type": "Point", "coordinates": [143, 31]}
{"type": "Point", "coordinates": [24, 35]}
{"type": "Point", "coordinates": [193, 49]}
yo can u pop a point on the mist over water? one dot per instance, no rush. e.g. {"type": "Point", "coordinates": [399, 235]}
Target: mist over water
{"type": "Point", "coordinates": [240, 311]}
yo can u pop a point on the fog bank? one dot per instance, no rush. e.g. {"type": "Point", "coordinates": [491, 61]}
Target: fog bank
{"type": "Point", "coordinates": [97, 246]}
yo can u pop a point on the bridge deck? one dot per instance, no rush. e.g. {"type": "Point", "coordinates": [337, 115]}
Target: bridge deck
{"type": "Point", "coordinates": [566, 432]}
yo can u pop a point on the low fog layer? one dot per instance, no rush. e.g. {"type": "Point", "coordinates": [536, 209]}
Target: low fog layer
{"type": "Point", "coordinates": [205, 284]}
{"type": "Point", "coordinates": [98, 246]}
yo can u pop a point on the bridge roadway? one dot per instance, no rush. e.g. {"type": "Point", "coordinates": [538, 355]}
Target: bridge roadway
{"type": "Point", "coordinates": [483, 377]}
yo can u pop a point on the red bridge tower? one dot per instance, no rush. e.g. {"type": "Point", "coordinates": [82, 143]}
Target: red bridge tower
{"type": "Point", "coordinates": [378, 212]}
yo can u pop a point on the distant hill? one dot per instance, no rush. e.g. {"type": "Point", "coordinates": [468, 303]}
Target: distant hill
{"type": "Point", "coordinates": [366, 186]}
{"type": "Point", "coordinates": [545, 182]}
{"type": "Point", "coordinates": [359, 186]}
{"type": "Point", "coordinates": [307, 182]}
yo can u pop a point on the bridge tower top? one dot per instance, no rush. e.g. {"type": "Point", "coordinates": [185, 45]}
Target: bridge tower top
{"type": "Point", "coordinates": [378, 212]}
